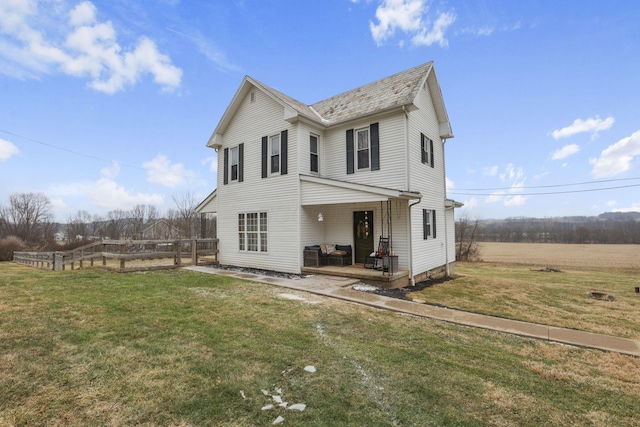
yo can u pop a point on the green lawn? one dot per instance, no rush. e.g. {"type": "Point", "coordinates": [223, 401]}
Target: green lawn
{"type": "Point", "coordinates": [179, 348]}
{"type": "Point", "coordinates": [557, 299]}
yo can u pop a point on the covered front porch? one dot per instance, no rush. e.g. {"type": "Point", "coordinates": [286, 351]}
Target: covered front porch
{"type": "Point", "coordinates": [399, 279]}
{"type": "Point", "coordinates": [338, 214]}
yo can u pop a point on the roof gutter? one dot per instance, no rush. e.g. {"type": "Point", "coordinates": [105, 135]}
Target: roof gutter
{"type": "Point", "coordinates": [411, 278]}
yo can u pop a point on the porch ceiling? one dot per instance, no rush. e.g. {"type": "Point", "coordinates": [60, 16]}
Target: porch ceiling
{"type": "Point", "coordinates": [325, 191]}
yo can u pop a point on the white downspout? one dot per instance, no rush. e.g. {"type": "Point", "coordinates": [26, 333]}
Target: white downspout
{"type": "Point", "coordinates": [408, 186]}
{"type": "Point", "coordinates": [446, 234]}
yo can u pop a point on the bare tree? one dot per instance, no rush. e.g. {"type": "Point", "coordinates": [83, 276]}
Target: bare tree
{"type": "Point", "coordinates": [467, 248]}
{"type": "Point", "coordinates": [187, 218]}
{"type": "Point", "coordinates": [78, 227]}
{"type": "Point", "coordinates": [28, 216]}
{"type": "Point", "coordinates": [116, 223]}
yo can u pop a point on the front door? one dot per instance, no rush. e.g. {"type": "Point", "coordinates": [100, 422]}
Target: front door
{"type": "Point", "coordinates": [362, 235]}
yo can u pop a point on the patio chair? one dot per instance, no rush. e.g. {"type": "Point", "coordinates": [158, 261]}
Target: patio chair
{"type": "Point", "coordinates": [374, 259]}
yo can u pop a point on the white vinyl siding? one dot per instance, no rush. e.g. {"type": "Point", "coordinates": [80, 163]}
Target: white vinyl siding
{"type": "Point", "coordinates": [276, 196]}
{"type": "Point", "coordinates": [392, 153]}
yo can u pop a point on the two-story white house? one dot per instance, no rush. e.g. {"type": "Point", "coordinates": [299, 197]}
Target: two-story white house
{"type": "Point", "coordinates": [367, 163]}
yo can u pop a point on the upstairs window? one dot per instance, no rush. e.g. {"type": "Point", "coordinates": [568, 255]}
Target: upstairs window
{"type": "Point", "coordinates": [274, 143]}
{"type": "Point", "coordinates": [274, 154]}
{"type": "Point", "coordinates": [234, 164]}
{"type": "Point", "coordinates": [313, 153]}
{"type": "Point", "coordinates": [362, 138]}
{"type": "Point", "coordinates": [363, 149]}
{"type": "Point", "coordinates": [426, 150]}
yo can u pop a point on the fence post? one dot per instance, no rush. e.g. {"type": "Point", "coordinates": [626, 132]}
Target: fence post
{"type": "Point", "coordinates": [57, 261]}
{"type": "Point", "coordinates": [194, 252]}
{"type": "Point", "coordinates": [178, 249]}
{"type": "Point", "coordinates": [123, 250]}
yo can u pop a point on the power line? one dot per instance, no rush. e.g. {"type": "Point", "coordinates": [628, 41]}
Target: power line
{"type": "Point", "coordinates": [551, 185]}
{"type": "Point", "coordinates": [89, 156]}
{"type": "Point", "coordinates": [587, 190]}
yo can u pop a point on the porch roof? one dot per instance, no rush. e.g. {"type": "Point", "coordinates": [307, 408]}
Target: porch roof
{"type": "Point", "coordinates": [210, 204]}
{"type": "Point", "coordinates": [325, 191]}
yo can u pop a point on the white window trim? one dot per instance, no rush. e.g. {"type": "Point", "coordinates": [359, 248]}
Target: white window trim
{"type": "Point", "coordinates": [357, 149]}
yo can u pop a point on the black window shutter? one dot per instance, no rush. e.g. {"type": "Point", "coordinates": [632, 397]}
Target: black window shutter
{"type": "Point", "coordinates": [423, 149]}
{"type": "Point", "coordinates": [240, 162]}
{"type": "Point", "coordinates": [425, 230]}
{"type": "Point", "coordinates": [375, 147]}
{"type": "Point", "coordinates": [225, 159]}
{"type": "Point", "coordinates": [265, 155]}
{"type": "Point", "coordinates": [283, 152]}
{"type": "Point", "coordinates": [350, 152]}
{"type": "Point", "coordinates": [431, 151]}
{"type": "Point", "coordinates": [433, 223]}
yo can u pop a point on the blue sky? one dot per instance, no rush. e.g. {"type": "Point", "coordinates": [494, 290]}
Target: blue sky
{"type": "Point", "coordinates": [109, 104]}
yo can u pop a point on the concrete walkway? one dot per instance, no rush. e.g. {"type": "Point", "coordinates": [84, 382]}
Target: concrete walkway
{"type": "Point", "coordinates": [340, 287]}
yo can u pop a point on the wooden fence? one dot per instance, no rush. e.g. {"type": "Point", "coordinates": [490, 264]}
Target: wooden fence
{"type": "Point", "coordinates": [126, 255]}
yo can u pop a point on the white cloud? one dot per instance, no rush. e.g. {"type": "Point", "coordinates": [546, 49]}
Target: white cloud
{"type": "Point", "coordinates": [109, 194]}
{"type": "Point", "coordinates": [565, 151]}
{"type": "Point", "coordinates": [511, 172]}
{"type": "Point", "coordinates": [450, 185]}
{"type": "Point", "coordinates": [111, 171]}
{"type": "Point", "coordinates": [490, 171]}
{"type": "Point", "coordinates": [633, 208]}
{"type": "Point", "coordinates": [80, 47]}
{"type": "Point", "coordinates": [512, 201]}
{"type": "Point", "coordinates": [495, 197]}
{"type": "Point", "coordinates": [611, 203]}
{"type": "Point", "coordinates": [7, 150]}
{"type": "Point", "coordinates": [161, 171]}
{"type": "Point", "coordinates": [470, 203]}
{"type": "Point", "coordinates": [104, 192]}
{"type": "Point", "coordinates": [212, 161]}
{"type": "Point", "coordinates": [412, 18]}
{"type": "Point", "coordinates": [591, 125]}
{"type": "Point", "coordinates": [617, 157]}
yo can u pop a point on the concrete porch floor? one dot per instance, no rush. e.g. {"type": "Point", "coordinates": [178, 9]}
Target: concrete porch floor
{"type": "Point", "coordinates": [399, 279]}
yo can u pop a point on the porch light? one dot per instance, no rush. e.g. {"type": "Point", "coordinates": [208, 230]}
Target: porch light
{"type": "Point", "coordinates": [320, 217]}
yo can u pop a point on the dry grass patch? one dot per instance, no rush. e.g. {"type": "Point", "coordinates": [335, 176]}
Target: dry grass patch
{"type": "Point", "coordinates": [557, 299]}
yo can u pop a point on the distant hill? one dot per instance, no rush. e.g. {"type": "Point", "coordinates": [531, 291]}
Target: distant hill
{"type": "Point", "coordinates": [608, 227]}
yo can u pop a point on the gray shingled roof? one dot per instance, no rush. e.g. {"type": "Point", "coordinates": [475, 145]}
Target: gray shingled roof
{"type": "Point", "coordinates": [393, 91]}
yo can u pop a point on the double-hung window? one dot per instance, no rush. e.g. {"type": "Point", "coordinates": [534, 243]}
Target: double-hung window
{"type": "Point", "coordinates": [362, 138]}
{"type": "Point", "coordinates": [426, 150]}
{"type": "Point", "coordinates": [234, 164]}
{"type": "Point", "coordinates": [314, 153]}
{"type": "Point", "coordinates": [252, 232]}
{"type": "Point", "coordinates": [274, 142]}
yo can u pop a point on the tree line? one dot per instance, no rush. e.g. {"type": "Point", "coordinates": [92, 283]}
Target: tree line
{"type": "Point", "coordinates": [28, 217]}
{"type": "Point", "coordinates": [607, 228]}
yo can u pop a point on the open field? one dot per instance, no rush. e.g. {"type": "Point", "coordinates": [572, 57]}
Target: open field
{"type": "Point", "coordinates": [178, 348]}
{"type": "Point", "coordinates": [509, 284]}
{"type": "Point", "coordinates": [559, 255]}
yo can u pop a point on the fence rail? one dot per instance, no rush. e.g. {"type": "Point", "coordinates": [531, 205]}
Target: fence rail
{"type": "Point", "coordinates": [126, 255]}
